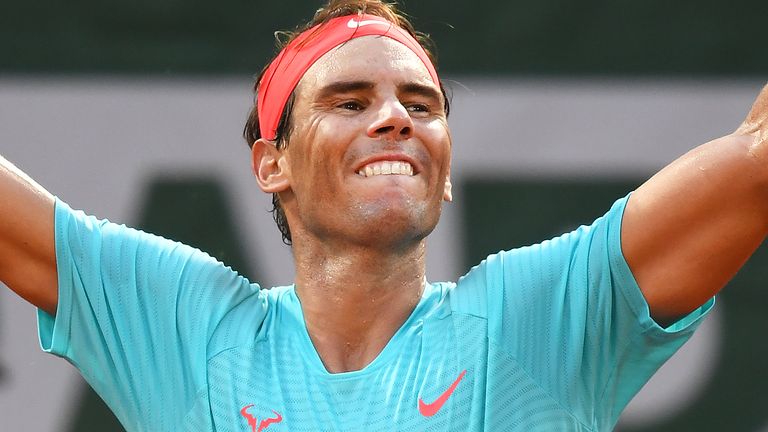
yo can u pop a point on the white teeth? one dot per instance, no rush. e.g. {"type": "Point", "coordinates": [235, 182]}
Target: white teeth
{"type": "Point", "coordinates": [402, 168]}
{"type": "Point", "coordinates": [385, 168]}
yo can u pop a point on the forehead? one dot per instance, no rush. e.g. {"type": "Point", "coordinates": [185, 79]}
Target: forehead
{"type": "Point", "coordinates": [372, 58]}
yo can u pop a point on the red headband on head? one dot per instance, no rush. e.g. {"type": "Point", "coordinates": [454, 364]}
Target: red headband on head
{"type": "Point", "coordinates": [285, 72]}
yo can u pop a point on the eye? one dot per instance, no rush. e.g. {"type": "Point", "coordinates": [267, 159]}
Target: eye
{"type": "Point", "coordinates": [351, 106]}
{"type": "Point", "coordinates": [418, 108]}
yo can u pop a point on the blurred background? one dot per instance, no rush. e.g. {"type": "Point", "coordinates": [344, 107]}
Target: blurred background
{"type": "Point", "coordinates": [133, 111]}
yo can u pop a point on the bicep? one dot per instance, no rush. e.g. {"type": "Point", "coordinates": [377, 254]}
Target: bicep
{"type": "Point", "coordinates": [688, 229]}
{"type": "Point", "coordinates": [27, 251]}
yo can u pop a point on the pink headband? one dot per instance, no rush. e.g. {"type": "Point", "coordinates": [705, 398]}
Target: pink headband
{"type": "Point", "coordinates": [284, 73]}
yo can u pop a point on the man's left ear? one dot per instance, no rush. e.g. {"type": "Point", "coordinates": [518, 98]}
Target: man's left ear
{"type": "Point", "coordinates": [447, 194]}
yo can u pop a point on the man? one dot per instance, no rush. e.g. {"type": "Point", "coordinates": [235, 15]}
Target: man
{"type": "Point", "coordinates": [350, 135]}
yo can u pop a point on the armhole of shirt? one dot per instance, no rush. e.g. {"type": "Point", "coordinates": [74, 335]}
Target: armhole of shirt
{"type": "Point", "coordinates": [632, 294]}
{"type": "Point", "coordinates": [52, 330]}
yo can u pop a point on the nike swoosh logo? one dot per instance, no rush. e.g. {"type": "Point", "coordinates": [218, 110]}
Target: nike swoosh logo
{"type": "Point", "coordinates": [353, 23]}
{"type": "Point", "coordinates": [430, 409]}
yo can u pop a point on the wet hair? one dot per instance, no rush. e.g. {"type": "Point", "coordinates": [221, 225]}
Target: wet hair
{"type": "Point", "coordinates": [333, 9]}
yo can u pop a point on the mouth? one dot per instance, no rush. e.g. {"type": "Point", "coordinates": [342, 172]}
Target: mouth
{"type": "Point", "coordinates": [386, 167]}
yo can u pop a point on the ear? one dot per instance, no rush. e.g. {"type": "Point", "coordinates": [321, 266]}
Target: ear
{"type": "Point", "coordinates": [447, 188]}
{"type": "Point", "coordinates": [269, 167]}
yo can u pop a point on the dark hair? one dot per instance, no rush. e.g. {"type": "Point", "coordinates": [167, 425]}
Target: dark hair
{"type": "Point", "coordinates": [333, 9]}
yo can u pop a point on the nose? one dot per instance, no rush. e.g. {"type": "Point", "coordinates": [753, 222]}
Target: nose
{"type": "Point", "coordinates": [392, 122]}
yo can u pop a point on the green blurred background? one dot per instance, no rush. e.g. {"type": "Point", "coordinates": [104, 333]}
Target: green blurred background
{"type": "Point", "coordinates": [549, 37]}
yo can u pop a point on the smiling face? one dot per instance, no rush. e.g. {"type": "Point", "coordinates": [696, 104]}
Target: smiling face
{"type": "Point", "coordinates": [369, 153]}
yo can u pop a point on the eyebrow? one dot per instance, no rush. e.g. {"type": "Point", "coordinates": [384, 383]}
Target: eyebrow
{"type": "Point", "coordinates": [421, 90]}
{"type": "Point", "coordinates": [340, 87]}
{"type": "Point", "coordinates": [344, 87]}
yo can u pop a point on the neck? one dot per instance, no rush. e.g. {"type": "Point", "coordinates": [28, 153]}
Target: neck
{"type": "Point", "coordinates": [355, 298]}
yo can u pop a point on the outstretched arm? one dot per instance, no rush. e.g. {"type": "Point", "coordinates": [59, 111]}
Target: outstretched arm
{"type": "Point", "coordinates": [27, 253]}
{"type": "Point", "coordinates": [689, 229]}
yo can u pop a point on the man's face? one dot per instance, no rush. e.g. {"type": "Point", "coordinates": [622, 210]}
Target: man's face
{"type": "Point", "coordinates": [369, 155]}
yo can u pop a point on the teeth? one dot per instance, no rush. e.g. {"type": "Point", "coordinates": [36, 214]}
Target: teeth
{"type": "Point", "coordinates": [386, 168]}
{"type": "Point", "coordinates": [403, 168]}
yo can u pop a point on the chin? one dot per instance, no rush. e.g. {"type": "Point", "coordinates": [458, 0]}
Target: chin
{"type": "Point", "coordinates": [399, 224]}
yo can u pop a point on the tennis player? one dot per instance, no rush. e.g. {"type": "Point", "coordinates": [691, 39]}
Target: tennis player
{"type": "Point", "coordinates": [349, 133]}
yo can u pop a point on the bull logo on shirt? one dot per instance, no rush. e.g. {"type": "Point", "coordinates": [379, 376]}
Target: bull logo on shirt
{"type": "Point", "coordinates": [255, 424]}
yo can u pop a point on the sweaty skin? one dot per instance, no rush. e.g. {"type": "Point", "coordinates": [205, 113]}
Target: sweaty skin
{"type": "Point", "coordinates": [359, 242]}
{"type": "Point", "coordinates": [27, 255]}
{"type": "Point", "coordinates": [688, 230]}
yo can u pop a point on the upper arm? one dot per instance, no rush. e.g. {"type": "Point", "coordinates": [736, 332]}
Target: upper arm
{"type": "Point", "coordinates": [27, 251]}
{"type": "Point", "coordinates": [689, 229]}
{"type": "Point", "coordinates": [136, 315]}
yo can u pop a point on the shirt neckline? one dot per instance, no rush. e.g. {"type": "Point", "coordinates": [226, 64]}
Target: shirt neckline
{"type": "Point", "coordinates": [412, 324]}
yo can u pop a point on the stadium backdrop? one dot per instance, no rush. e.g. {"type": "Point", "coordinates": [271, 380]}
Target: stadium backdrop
{"type": "Point", "coordinates": [619, 43]}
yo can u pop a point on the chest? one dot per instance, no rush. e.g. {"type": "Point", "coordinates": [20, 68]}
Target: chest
{"type": "Point", "coordinates": [427, 381]}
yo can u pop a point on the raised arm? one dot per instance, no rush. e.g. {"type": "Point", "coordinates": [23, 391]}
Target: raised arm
{"type": "Point", "coordinates": [689, 229]}
{"type": "Point", "coordinates": [27, 253]}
